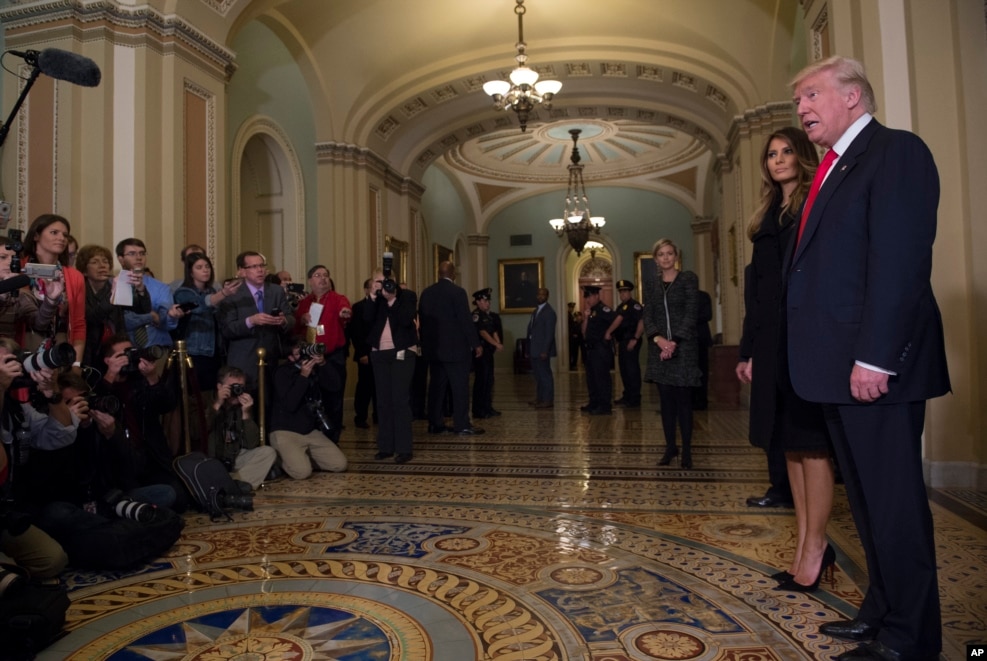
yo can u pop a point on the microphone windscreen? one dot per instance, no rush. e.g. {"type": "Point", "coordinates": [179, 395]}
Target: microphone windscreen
{"type": "Point", "coordinates": [71, 67]}
{"type": "Point", "coordinates": [14, 282]}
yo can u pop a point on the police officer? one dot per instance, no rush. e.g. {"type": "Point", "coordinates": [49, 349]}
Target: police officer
{"type": "Point", "coordinates": [483, 365]}
{"type": "Point", "coordinates": [597, 318]}
{"type": "Point", "coordinates": [627, 328]}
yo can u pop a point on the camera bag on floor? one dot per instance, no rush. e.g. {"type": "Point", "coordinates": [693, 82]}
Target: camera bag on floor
{"type": "Point", "coordinates": [31, 615]}
{"type": "Point", "coordinates": [209, 482]}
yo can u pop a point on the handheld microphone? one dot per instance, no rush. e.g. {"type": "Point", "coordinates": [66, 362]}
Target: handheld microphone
{"type": "Point", "coordinates": [14, 283]}
{"type": "Point", "coordinates": [63, 65]}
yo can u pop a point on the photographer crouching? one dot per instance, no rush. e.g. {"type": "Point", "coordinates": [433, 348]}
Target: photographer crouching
{"type": "Point", "coordinates": [234, 438]}
{"type": "Point", "coordinates": [24, 428]}
{"type": "Point", "coordinates": [300, 428]}
{"type": "Point", "coordinates": [131, 376]}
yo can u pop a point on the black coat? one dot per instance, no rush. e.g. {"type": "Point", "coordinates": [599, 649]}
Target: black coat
{"type": "Point", "coordinates": [763, 292]}
{"type": "Point", "coordinates": [401, 315]}
{"type": "Point", "coordinates": [447, 331]}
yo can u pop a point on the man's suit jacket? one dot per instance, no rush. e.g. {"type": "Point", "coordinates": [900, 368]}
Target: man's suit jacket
{"type": "Point", "coordinates": [542, 333]}
{"type": "Point", "coordinates": [243, 342]}
{"type": "Point", "coordinates": [447, 330]}
{"type": "Point", "coordinates": [859, 281]}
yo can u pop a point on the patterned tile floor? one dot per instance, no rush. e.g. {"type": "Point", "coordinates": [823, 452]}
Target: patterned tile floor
{"type": "Point", "coordinates": [553, 536]}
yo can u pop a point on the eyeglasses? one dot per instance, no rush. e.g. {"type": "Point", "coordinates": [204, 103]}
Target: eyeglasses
{"type": "Point", "coordinates": [134, 253]}
{"type": "Point", "coordinates": [262, 265]}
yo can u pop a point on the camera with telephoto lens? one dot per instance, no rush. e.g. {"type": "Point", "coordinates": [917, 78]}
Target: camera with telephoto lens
{"type": "Point", "coordinates": [134, 354]}
{"type": "Point", "coordinates": [312, 350]}
{"type": "Point", "coordinates": [389, 285]}
{"type": "Point", "coordinates": [59, 355]}
{"type": "Point", "coordinates": [235, 501]}
{"type": "Point", "coordinates": [15, 244]}
{"type": "Point", "coordinates": [321, 419]}
{"type": "Point", "coordinates": [125, 508]}
{"type": "Point", "coordinates": [108, 404]}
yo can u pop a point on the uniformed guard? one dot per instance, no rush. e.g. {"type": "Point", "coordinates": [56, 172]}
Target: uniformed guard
{"type": "Point", "coordinates": [483, 365]}
{"type": "Point", "coordinates": [627, 329]}
{"type": "Point", "coordinates": [597, 318]}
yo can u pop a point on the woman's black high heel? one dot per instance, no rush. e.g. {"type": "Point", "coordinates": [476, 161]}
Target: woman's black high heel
{"type": "Point", "coordinates": [829, 559]}
{"type": "Point", "coordinates": [670, 453]}
{"type": "Point", "coordinates": [782, 576]}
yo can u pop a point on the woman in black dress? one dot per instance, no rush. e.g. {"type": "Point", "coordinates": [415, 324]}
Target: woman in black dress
{"type": "Point", "coordinates": [778, 414]}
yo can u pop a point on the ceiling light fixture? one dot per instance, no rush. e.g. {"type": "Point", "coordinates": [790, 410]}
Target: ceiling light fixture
{"type": "Point", "coordinates": [524, 90]}
{"type": "Point", "coordinates": [576, 222]}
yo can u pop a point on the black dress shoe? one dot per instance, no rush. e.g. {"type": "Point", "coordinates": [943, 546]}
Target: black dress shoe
{"type": "Point", "coordinates": [600, 411]}
{"type": "Point", "coordinates": [492, 413]}
{"type": "Point", "coordinates": [619, 402]}
{"type": "Point", "coordinates": [362, 424]}
{"type": "Point", "coordinates": [402, 458]}
{"type": "Point", "coordinates": [380, 456]}
{"type": "Point", "coordinates": [480, 416]}
{"type": "Point", "coordinates": [586, 408]}
{"type": "Point", "coordinates": [768, 501]}
{"type": "Point", "coordinates": [849, 630]}
{"type": "Point", "coordinates": [470, 431]}
{"type": "Point", "coordinates": [438, 429]}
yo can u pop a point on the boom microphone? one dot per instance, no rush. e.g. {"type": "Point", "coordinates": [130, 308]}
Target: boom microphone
{"type": "Point", "coordinates": [13, 283]}
{"type": "Point", "coordinates": [63, 65]}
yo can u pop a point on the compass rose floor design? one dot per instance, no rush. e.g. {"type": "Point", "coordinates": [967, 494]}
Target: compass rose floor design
{"type": "Point", "coordinates": [553, 536]}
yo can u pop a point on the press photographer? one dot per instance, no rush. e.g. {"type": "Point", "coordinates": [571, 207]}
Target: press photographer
{"type": "Point", "coordinates": [131, 376]}
{"type": "Point", "coordinates": [21, 428]}
{"type": "Point", "coordinates": [301, 430]}
{"type": "Point", "coordinates": [88, 499]}
{"type": "Point", "coordinates": [234, 438]}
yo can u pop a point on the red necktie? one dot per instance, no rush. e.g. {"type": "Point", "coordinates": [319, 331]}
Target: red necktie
{"type": "Point", "coordinates": [817, 181]}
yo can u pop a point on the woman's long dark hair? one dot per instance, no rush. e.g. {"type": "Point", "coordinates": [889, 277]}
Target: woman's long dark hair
{"type": "Point", "coordinates": [808, 161]}
{"type": "Point", "coordinates": [40, 224]}
{"type": "Point", "coordinates": [190, 261]}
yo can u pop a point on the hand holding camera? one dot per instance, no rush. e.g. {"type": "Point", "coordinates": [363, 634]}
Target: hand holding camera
{"type": "Point", "coordinates": [137, 278]}
{"type": "Point", "coordinates": [79, 406]}
{"type": "Point", "coordinates": [10, 369]}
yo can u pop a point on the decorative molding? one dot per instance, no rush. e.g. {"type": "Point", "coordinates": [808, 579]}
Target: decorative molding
{"type": "Point", "coordinates": [221, 7]}
{"type": "Point", "coordinates": [481, 240]}
{"type": "Point", "coordinates": [141, 26]}
{"type": "Point", "coordinates": [768, 117]}
{"type": "Point", "coordinates": [596, 268]}
{"type": "Point", "coordinates": [363, 158]}
{"type": "Point", "coordinates": [818, 27]}
{"type": "Point", "coordinates": [212, 159]}
{"type": "Point", "coordinates": [702, 224]}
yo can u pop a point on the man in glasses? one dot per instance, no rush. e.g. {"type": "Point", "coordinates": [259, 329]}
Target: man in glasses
{"type": "Point", "coordinates": [152, 328]}
{"type": "Point", "coordinates": [256, 316]}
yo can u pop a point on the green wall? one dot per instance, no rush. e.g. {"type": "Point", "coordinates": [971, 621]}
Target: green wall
{"type": "Point", "coordinates": [269, 83]}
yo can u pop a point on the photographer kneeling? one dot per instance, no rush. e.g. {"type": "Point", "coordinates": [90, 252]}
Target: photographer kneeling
{"type": "Point", "coordinates": [24, 428]}
{"type": "Point", "coordinates": [299, 424]}
{"type": "Point", "coordinates": [131, 376]}
{"type": "Point", "coordinates": [234, 438]}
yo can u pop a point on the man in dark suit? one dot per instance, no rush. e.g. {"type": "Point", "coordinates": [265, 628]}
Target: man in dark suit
{"type": "Point", "coordinates": [449, 340]}
{"type": "Point", "coordinates": [541, 348]}
{"type": "Point", "coordinates": [255, 317]}
{"type": "Point", "coordinates": [357, 331]}
{"type": "Point", "coordinates": [865, 339]}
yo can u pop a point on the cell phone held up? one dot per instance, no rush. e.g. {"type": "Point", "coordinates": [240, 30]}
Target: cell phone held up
{"type": "Point", "coordinates": [188, 306]}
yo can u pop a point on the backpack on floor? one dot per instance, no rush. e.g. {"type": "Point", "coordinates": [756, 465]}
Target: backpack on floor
{"type": "Point", "coordinates": [31, 615]}
{"type": "Point", "coordinates": [214, 489]}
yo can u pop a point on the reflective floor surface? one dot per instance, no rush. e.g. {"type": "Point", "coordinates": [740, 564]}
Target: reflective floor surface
{"type": "Point", "coordinates": [553, 536]}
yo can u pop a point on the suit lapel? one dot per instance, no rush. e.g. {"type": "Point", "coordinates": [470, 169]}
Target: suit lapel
{"type": "Point", "coordinates": [841, 170]}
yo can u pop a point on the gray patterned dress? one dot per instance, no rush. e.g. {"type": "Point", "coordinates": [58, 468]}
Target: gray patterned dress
{"type": "Point", "coordinates": [671, 313]}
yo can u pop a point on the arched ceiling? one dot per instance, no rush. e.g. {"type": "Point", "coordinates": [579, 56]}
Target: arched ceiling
{"type": "Point", "coordinates": [659, 81]}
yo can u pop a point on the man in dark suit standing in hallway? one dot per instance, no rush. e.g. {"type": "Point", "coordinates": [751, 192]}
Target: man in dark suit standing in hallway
{"type": "Point", "coordinates": [865, 339]}
{"type": "Point", "coordinates": [449, 341]}
{"type": "Point", "coordinates": [541, 348]}
{"type": "Point", "coordinates": [256, 316]}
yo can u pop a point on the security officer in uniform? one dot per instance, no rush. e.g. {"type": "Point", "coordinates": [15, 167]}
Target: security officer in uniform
{"type": "Point", "coordinates": [483, 365]}
{"type": "Point", "coordinates": [627, 328]}
{"type": "Point", "coordinates": [597, 318]}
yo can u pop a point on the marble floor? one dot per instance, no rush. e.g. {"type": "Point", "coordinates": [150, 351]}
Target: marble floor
{"type": "Point", "coordinates": [553, 536]}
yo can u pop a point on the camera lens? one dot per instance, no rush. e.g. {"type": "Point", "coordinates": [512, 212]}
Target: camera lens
{"type": "Point", "coordinates": [60, 355]}
{"type": "Point", "coordinates": [243, 502]}
{"type": "Point", "coordinates": [236, 389]}
{"type": "Point", "coordinates": [135, 511]}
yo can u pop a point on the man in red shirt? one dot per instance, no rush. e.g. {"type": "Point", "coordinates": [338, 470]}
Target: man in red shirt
{"type": "Point", "coordinates": [328, 329]}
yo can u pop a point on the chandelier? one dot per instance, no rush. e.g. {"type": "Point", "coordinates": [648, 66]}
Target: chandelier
{"type": "Point", "coordinates": [576, 222]}
{"type": "Point", "coordinates": [524, 90]}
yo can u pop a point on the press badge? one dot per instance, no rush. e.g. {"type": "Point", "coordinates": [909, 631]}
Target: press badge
{"type": "Point", "coordinates": [320, 329]}
{"type": "Point", "coordinates": [401, 354]}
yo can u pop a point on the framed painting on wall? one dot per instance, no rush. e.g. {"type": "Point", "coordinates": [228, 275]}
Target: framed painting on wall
{"type": "Point", "coordinates": [439, 254]}
{"type": "Point", "coordinates": [519, 283]}
{"type": "Point", "coordinates": [646, 269]}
